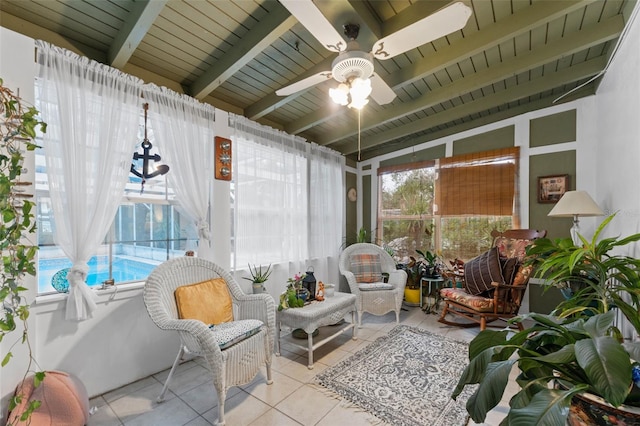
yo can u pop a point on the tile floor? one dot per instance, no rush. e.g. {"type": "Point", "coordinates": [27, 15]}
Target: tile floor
{"type": "Point", "coordinates": [290, 400]}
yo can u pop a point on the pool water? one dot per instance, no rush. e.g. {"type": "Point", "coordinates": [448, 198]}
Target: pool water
{"type": "Point", "coordinates": [124, 269]}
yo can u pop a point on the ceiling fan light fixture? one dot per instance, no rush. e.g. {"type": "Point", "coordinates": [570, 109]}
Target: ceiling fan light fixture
{"type": "Point", "coordinates": [340, 94]}
{"type": "Point", "coordinates": [360, 88]}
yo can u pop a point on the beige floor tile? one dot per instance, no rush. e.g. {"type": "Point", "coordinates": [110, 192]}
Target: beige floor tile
{"type": "Point", "coordinates": [299, 371]}
{"type": "Point", "coordinates": [274, 417]}
{"type": "Point", "coordinates": [308, 405]}
{"type": "Point", "coordinates": [189, 379]}
{"type": "Point", "coordinates": [240, 410]}
{"type": "Point", "coordinates": [104, 416]}
{"type": "Point", "coordinates": [347, 414]}
{"type": "Point", "coordinates": [199, 421]}
{"type": "Point", "coordinates": [272, 394]}
{"type": "Point", "coordinates": [173, 412]}
{"type": "Point", "coordinates": [139, 402]}
{"type": "Point", "coordinates": [130, 388]}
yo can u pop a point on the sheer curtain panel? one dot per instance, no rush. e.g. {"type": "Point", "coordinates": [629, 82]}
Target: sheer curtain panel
{"type": "Point", "coordinates": [184, 130]}
{"type": "Point", "coordinates": [270, 191]}
{"type": "Point", "coordinates": [92, 112]}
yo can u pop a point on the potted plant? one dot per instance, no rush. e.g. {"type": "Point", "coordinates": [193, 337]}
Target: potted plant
{"type": "Point", "coordinates": [414, 270]}
{"type": "Point", "coordinates": [578, 349]}
{"type": "Point", "coordinates": [258, 278]}
{"type": "Point", "coordinates": [563, 362]}
{"type": "Point", "coordinates": [17, 135]}
{"type": "Point", "coordinates": [595, 278]}
{"type": "Point", "coordinates": [430, 263]}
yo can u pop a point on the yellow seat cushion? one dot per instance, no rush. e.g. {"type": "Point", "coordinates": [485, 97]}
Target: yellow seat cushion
{"type": "Point", "coordinates": [208, 301]}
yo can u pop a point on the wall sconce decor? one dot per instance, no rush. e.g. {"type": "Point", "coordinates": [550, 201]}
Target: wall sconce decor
{"type": "Point", "coordinates": [146, 173]}
{"type": "Point", "coordinates": [223, 158]}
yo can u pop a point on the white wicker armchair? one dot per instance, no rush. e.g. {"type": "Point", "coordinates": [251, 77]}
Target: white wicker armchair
{"type": "Point", "coordinates": [374, 301]}
{"type": "Point", "coordinates": [233, 366]}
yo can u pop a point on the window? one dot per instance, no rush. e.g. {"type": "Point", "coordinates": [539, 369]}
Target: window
{"type": "Point", "coordinates": [148, 229]}
{"type": "Point", "coordinates": [448, 205]}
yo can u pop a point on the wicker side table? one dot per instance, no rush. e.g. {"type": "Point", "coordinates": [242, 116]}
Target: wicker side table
{"type": "Point", "coordinates": [317, 314]}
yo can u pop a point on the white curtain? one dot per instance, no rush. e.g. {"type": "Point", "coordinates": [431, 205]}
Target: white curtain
{"type": "Point", "coordinates": [289, 203]}
{"type": "Point", "coordinates": [92, 112]}
{"type": "Point", "coordinates": [326, 201]}
{"type": "Point", "coordinates": [184, 130]}
{"type": "Point", "coordinates": [270, 191]}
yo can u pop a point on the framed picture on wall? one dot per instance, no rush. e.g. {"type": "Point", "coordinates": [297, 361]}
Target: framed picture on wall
{"type": "Point", "coordinates": [551, 188]}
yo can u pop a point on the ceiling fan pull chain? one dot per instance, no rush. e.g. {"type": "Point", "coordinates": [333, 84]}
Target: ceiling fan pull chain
{"type": "Point", "coordinates": [359, 111]}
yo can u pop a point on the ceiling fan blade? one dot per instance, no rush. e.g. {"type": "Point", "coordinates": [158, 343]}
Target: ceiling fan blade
{"type": "Point", "coordinates": [315, 22]}
{"type": "Point", "coordinates": [445, 21]}
{"type": "Point", "coordinates": [304, 83]}
{"type": "Point", "coordinates": [380, 90]}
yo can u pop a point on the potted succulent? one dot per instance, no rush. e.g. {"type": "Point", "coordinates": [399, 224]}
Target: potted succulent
{"type": "Point", "coordinates": [570, 369]}
{"type": "Point", "coordinates": [258, 278]}
{"type": "Point", "coordinates": [17, 135]}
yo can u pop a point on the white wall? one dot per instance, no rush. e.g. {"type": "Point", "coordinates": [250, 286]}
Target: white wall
{"type": "Point", "coordinates": [617, 113]}
{"type": "Point", "coordinates": [16, 70]}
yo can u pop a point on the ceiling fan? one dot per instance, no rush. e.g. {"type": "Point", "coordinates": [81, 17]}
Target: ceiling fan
{"type": "Point", "coordinates": [354, 68]}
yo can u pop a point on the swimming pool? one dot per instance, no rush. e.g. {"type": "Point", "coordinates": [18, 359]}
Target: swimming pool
{"type": "Point", "coordinates": [124, 269]}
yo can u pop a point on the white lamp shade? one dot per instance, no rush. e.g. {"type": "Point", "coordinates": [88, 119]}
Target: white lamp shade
{"type": "Point", "coordinates": [576, 203]}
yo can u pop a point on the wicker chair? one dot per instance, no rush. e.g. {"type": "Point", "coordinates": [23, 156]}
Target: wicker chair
{"type": "Point", "coordinates": [504, 299]}
{"type": "Point", "coordinates": [233, 366]}
{"type": "Point", "coordinates": [377, 298]}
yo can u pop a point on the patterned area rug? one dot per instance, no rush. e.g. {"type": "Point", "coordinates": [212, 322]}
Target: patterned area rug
{"type": "Point", "coordinates": [404, 378]}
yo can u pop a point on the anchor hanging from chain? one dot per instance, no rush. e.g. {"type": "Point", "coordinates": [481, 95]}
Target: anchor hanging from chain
{"type": "Point", "coordinates": [146, 157]}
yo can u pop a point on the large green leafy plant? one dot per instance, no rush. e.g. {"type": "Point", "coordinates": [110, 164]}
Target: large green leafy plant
{"type": "Point", "coordinates": [17, 135]}
{"type": "Point", "coordinates": [579, 355]}
{"type": "Point", "coordinates": [594, 277]}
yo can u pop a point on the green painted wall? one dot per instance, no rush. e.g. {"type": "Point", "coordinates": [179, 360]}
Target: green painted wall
{"type": "Point", "coordinates": [366, 203]}
{"type": "Point", "coordinates": [422, 155]}
{"type": "Point", "coordinates": [553, 129]}
{"type": "Point", "coordinates": [495, 139]}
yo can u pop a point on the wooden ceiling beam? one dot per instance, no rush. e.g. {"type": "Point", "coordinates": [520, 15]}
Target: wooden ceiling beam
{"type": "Point", "coordinates": [549, 81]}
{"type": "Point", "coordinates": [587, 37]}
{"type": "Point", "coordinates": [520, 22]}
{"type": "Point", "coordinates": [140, 19]}
{"type": "Point", "coordinates": [269, 29]}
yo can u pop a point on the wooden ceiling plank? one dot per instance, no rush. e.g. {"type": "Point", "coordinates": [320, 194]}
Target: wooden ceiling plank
{"type": "Point", "coordinates": [579, 41]}
{"type": "Point", "coordinates": [520, 22]}
{"type": "Point", "coordinates": [273, 101]}
{"type": "Point", "coordinates": [133, 30]}
{"type": "Point", "coordinates": [263, 34]}
{"type": "Point", "coordinates": [574, 73]}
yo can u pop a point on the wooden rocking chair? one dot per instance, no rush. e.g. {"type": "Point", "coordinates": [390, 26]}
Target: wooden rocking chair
{"type": "Point", "coordinates": [505, 280]}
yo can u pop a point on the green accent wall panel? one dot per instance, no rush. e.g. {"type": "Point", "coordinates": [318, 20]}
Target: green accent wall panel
{"type": "Point", "coordinates": [351, 214]}
{"type": "Point", "coordinates": [543, 299]}
{"type": "Point", "coordinates": [557, 163]}
{"type": "Point", "coordinates": [553, 129]}
{"type": "Point", "coordinates": [495, 139]}
{"type": "Point", "coordinates": [422, 155]}
{"type": "Point", "coordinates": [366, 205]}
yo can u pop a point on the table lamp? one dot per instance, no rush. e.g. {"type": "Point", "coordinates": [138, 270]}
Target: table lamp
{"type": "Point", "coordinates": [575, 204]}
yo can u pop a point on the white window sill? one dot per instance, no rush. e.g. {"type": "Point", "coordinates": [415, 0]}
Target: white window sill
{"type": "Point", "coordinates": [117, 292]}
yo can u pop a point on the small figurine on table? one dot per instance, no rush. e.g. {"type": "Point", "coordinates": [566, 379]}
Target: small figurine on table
{"type": "Point", "coordinates": [320, 292]}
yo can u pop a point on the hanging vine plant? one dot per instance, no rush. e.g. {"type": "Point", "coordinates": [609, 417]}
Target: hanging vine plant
{"type": "Point", "coordinates": [17, 219]}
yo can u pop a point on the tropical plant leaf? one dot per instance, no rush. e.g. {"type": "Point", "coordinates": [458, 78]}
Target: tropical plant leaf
{"type": "Point", "coordinates": [490, 390]}
{"type": "Point", "coordinates": [633, 349]}
{"type": "Point", "coordinates": [487, 339]}
{"type": "Point", "coordinates": [599, 325]}
{"type": "Point", "coordinates": [475, 371]}
{"type": "Point", "coordinates": [607, 365]}
{"type": "Point", "coordinates": [548, 407]}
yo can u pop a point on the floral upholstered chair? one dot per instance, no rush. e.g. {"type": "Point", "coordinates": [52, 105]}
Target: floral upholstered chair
{"type": "Point", "coordinates": [363, 265]}
{"type": "Point", "coordinates": [494, 282]}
